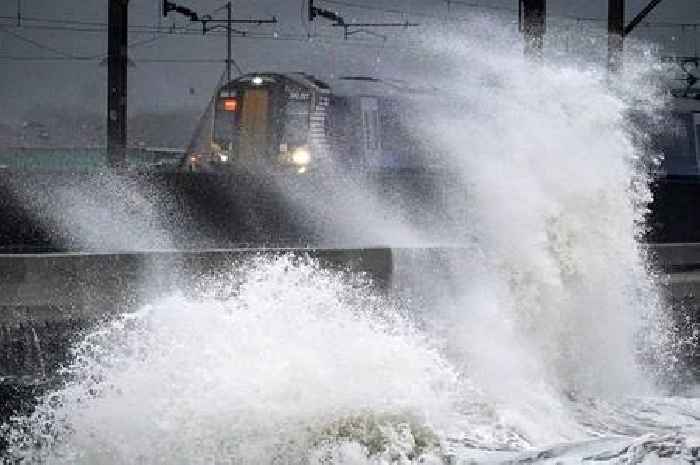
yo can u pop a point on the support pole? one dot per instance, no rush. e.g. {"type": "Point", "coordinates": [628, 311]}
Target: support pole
{"type": "Point", "coordinates": [616, 30]}
{"type": "Point", "coordinates": [533, 16]}
{"type": "Point", "coordinates": [117, 83]}
{"type": "Point", "coordinates": [228, 42]}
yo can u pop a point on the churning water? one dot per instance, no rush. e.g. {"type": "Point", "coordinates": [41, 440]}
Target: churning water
{"type": "Point", "coordinates": [538, 335]}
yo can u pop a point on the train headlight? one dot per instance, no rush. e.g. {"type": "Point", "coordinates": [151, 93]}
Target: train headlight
{"type": "Point", "coordinates": [301, 156]}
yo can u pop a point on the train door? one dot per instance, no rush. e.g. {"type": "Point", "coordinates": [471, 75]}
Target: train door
{"type": "Point", "coordinates": [254, 125]}
{"type": "Point", "coordinates": [371, 131]}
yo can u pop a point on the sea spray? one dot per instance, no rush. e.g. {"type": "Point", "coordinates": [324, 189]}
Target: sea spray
{"type": "Point", "coordinates": [258, 376]}
{"type": "Point", "coordinates": [550, 296]}
{"type": "Point", "coordinates": [546, 326]}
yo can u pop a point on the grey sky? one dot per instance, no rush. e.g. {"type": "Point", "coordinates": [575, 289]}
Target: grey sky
{"type": "Point", "coordinates": [80, 85]}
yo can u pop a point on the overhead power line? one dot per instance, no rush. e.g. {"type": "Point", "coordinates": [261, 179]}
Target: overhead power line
{"type": "Point", "coordinates": [481, 6]}
{"type": "Point", "coordinates": [83, 26]}
{"type": "Point", "coordinates": [321, 39]}
{"type": "Point", "coordinates": [368, 7]}
{"type": "Point", "coordinates": [34, 43]}
{"type": "Point", "coordinates": [376, 8]}
{"type": "Point", "coordinates": [67, 55]}
{"type": "Point", "coordinates": [16, 58]}
{"type": "Point", "coordinates": [188, 31]}
{"type": "Point", "coordinates": [98, 27]}
{"type": "Point", "coordinates": [57, 21]}
{"type": "Point", "coordinates": [258, 36]}
{"type": "Point", "coordinates": [417, 14]}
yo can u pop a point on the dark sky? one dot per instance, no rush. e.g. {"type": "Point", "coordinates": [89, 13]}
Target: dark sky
{"type": "Point", "coordinates": [80, 85]}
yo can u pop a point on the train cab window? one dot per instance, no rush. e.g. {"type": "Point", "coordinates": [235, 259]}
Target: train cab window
{"type": "Point", "coordinates": [296, 126]}
{"type": "Point", "coordinates": [225, 126]}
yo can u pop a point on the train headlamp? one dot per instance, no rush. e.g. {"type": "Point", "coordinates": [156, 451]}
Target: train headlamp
{"type": "Point", "coordinates": [301, 156]}
{"type": "Point", "coordinates": [257, 81]}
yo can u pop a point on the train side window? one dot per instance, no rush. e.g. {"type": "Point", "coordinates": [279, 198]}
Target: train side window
{"type": "Point", "coordinates": [696, 125]}
{"type": "Point", "coordinates": [370, 123]}
{"type": "Point", "coordinates": [365, 128]}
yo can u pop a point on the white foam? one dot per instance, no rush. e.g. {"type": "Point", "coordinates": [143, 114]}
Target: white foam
{"type": "Point", "coordinates": [256, 375]}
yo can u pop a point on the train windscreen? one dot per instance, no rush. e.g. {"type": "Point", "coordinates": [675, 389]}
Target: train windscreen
{"type": "Point", "coordinates": [297, 123]}
{"type": "Point", "coordinates": [225, 123]}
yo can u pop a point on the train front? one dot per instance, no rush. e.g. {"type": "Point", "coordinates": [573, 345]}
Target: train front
{"type": "Point", "coordinates": [263, 123]}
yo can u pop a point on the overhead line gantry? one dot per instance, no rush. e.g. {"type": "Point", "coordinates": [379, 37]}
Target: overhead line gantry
{"type": "Point", "coordinates": [339, 21]}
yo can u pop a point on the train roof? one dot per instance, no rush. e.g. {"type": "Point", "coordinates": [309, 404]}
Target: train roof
{"type": "Point", "coordinates": [343, 86]}
{"type": "Point", "coordinates": [369, 85]}
{"type": "Point", "coordinates": [303, 79]}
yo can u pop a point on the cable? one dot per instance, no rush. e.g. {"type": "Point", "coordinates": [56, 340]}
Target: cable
{"type": "Point", "coordinates": [351, 4]}
{"type": "Point", "coordinates": [141, 43]}
{"type": "Point", "coordinates": [43, 59]}
{"type": "Point", "coordinates": [97, 27]}
{"type": "Point", "coordinates": [298, 38]}
{"type": "Point", "coordinates": [187, 32]}
{"type": "Point", "coordinates": [368, 7]}
{"type": "Point", "coordinates": [35, 43]}
{"type": "Point", "coordinates": [364, 6]}
{"type": "Point", "coordinates": [56, 21]}
{"type": "Point", "coordinates": [91, 59]}
{"type": "Point", "coordinates": [184, 31]}
{"type": "Point", "coordinates": [250, 36]}
{"type": "Point", "coordinates": [66, 54]}
{"type": "Point", "coordinates": [669, 24]}
{"type": "Point", "coordinates": [487, 7]}
{"type": "Point", "coordinates": [465, 4]}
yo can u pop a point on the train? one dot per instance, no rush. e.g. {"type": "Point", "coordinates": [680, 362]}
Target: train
{"type": "Point", "coordinates": [294, 123]}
